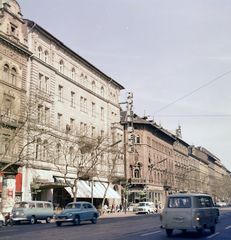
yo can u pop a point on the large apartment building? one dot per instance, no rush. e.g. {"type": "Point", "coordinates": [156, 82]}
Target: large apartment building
{"type": "Point", "coordinates": [163, 163]}
{"type": "Point", "coordinates": [68, 102]}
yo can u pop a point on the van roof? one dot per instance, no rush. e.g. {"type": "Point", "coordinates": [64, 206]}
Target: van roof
{"type": "Point", "coordinates": [189, 195]}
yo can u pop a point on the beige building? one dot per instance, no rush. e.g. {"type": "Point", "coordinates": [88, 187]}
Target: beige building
{"type": "Point", "coordinates": [14, 54]}
{"type": "Point", "coordinates": [150, 169]}
{"type": "Point", "coordinates": [67, 98]}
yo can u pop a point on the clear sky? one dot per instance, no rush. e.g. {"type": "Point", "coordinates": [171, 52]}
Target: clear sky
{"type": "Point", "coordinates": [174, 55]}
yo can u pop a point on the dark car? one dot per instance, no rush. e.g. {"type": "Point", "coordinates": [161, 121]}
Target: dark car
{"type": "Point", "coordinates": [76, 212]}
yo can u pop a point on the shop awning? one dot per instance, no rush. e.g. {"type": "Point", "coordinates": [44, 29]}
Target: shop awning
{"type": "Point", "coordinates": [84, 190]}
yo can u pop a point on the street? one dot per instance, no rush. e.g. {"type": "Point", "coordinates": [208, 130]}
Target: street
{"type": "Point", "coordinates": [114, 226]}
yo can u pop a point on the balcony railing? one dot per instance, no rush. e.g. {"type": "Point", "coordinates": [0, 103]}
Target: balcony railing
{"type": "Point", "coordinates": [138, 181]}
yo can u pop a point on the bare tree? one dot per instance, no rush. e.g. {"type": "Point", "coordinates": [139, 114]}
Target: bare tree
{"type": "Point", "coordinates": [20, 127]}
{"type": "Point", "coordinates": [113, 164]}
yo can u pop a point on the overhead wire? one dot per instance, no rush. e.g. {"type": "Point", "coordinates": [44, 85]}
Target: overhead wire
{"type": "Point", "coordinates": [192, 92]}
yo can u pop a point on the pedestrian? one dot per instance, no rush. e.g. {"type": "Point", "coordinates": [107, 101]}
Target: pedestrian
{"type": "Point", "coordinates": [9, 219]}
{"type": "Point", "coordinates": [105, 208]}
{"type": "Point", "coordinates": [112, 207]}
{"type": "Point", "coordinates": [121, 207]}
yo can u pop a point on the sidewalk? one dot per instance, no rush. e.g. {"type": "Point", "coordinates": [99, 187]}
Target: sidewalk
{"type": "Point", "coordinates": [118, 214]}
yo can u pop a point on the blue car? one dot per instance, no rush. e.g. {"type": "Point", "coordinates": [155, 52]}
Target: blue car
{"type": "Point", "coordinates": [76, 212]}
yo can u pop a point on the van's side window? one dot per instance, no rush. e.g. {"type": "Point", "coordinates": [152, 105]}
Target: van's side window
{"type": "Point", "coordinates": [31, 205]}
{"type": "Point", "coordinates": [47, 205]}
{"type": "Point", "coordinates": [39, 205]}
{"type": "Point", "coordinates": [205, 202]}
{"type": "Point", "coordinates": [179, 202]}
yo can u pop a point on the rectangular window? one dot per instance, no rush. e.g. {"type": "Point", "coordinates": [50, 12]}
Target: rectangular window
{"type": "Point", "coordinates": [85, 105]}
{"type": "Point", "coordinates": [39, 116]}
{"type": "Point", "coordinates": [60, 93]}
{"type": "Point", "coordinates": [46, 85]}
{"type": "Point", "coordinates": [102, 113]}
{"type": "Point", "coordinates": [40, 81]}
{"type": "Point", "coordinates": [72, 121]}
{"type": "Point", "coordinates": [47, 115]}
{"type": "Point", "coordinates": [92, 132]}
{"type": "Point", "coordinates": [72, 99]}
{"type": "Point", "coordinates": [93, 109]}
{"type": "Point", "coordinates": [59, 121]}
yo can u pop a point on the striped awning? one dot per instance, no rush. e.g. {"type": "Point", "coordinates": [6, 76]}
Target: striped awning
{"type": "Point", "coordinates": [85, 188]}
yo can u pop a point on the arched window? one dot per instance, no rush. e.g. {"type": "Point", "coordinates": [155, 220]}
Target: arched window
{"type": "Point", "coordinates": [136, 173]}
{"type": "Point", "coordinates": [40, 53]}
{"type": "Point", "coordinates": [61, 66]}
{"type": "Point", "coordinates": [6, 72]}
{"type": "Point", "coordinates": [81, 79]}
{"type": "Point", "coordinates": [149, 158]}
{"type": "Point", "coordinates": [102, 91]}
{"type": "Point", "coordinates": [93, 86]}
{"type": "Point", "coordinates": [46, 57]}
{"type": "Point", "coordinates": [114, 98]}
{"type": "Point", "coordinates": [85, 82]}
{"type": "Point", "coordinates": [73, 74]}
{"type": "Point", "coordinates": [13, 76]}
{"type": "Point", "coordinates": [58, 153]}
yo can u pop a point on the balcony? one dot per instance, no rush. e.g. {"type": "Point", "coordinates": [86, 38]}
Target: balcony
{"type": "Point", "coordinates": [8, 121]}
{"type": "Point", "coordinates": [138, 181]}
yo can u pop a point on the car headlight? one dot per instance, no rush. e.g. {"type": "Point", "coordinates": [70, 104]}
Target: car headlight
{"type": "Point", "coordinates": [70, 214]}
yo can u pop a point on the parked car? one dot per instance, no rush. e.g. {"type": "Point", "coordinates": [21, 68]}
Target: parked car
{"type": "Point", "coordinates": [146, 207]}
{"type": "Point", "coordinates": [189, 211]}
{"type": "Point", "coordinates": [32, 211]}
{"type": "Point", "coordinates": [76, 212]}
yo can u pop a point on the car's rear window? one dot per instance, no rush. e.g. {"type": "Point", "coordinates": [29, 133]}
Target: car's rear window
{"type": "Point", "coordinates": [179, 202]}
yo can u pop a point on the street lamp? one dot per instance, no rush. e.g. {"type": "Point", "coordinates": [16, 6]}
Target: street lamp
{"type": "Point", "coordinates": [151, 167]}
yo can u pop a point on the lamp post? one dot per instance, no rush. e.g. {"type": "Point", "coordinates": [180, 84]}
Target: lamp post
{"type": "Point", "coordinates": [151, 167]}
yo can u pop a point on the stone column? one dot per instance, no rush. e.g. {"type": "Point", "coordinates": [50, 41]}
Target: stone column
{"type": "Point", "coordinates": [8, 192]}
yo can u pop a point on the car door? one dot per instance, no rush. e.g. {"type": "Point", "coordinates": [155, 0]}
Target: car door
{"type": "Point", "coordinates": [91, 210]}
{"type": "Point", "coordinates": [85, 213]}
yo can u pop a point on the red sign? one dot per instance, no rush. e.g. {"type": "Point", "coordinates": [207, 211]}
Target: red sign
{"type": "Point", "coordinates": [10, 192]}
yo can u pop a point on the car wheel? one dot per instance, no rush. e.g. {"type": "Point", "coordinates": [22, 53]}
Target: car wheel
{"type": "Point", "coordinates": [58, 224]}
{"type": "Point", "coordinates": [169, 232]}
{"type": "Point", "coordinates": [76, 220]}
{"type": "Point", "coordinates": [213, 228]}
{"type": "Point", "coordinates": [201, 231]}
{"type": "Point", "coordinates": [184, 231]}
{"type": "Point", "coordinates": [48, 219]}
{"type": "Point", "coordinates": [32, 220]}
{"type": "Point", "coordinates": [94, 219]}
{"type": "Point", "coordinates": [1, 223]}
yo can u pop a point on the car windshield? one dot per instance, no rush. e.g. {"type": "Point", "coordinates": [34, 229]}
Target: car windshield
{"type": "Point", "coordinates": [179, 202]}
{"type": "Point", "coordinates": [141, 204]}
{"type": "Point", "coordinates": [73, 205]}
{"type": "Point", "coordinates": [21, 205]}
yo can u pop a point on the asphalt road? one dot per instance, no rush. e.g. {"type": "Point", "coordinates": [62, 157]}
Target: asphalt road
{"type": "Point", "coordinates": [114, 226]}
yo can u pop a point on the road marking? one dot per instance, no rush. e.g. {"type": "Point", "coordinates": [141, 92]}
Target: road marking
{"type": "Point", "coordinates": [149, 233]}
{"type": "Point", "coordinates": [213, 235]}
{"type": "Point", "coordinates": [228, 227]}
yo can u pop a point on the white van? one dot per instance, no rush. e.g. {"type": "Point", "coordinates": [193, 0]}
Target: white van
{"type": "Point", "coordinates": [32, 211]}
{"type": "Point", "coordinates": [146, 207]}
{"type": "Point", "coordinates": [189, 211]}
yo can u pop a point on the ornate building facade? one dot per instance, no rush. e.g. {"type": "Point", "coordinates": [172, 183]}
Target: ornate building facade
{"type": "Point", "coordinates": [64, 98]}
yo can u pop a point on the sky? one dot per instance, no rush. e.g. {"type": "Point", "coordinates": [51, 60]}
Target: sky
{"type": "Point", "coordinates": [173, 55]}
